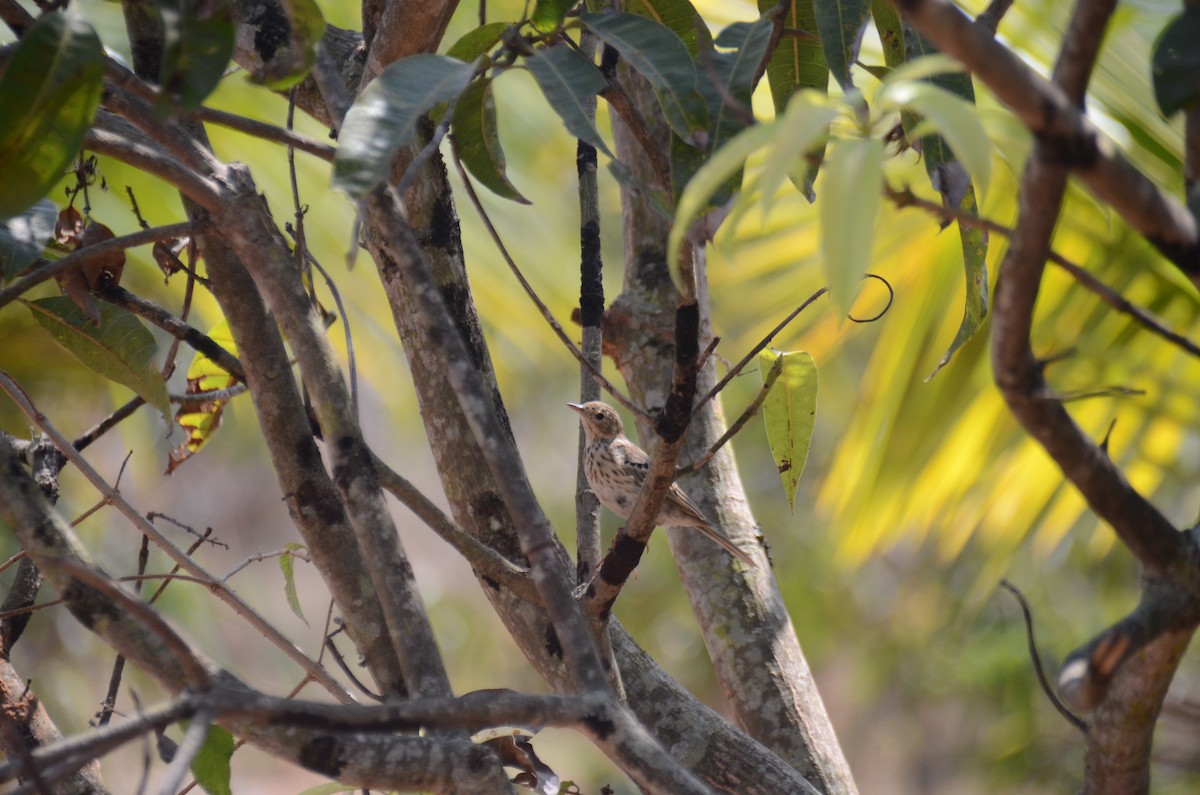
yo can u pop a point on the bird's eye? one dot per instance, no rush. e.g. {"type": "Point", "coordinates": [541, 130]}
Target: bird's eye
{"type": "Point", "coordinates": [598, 415]}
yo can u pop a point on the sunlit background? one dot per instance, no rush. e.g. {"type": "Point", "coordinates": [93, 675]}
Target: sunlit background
{"type": "Point", "coordinates": [919, 496]}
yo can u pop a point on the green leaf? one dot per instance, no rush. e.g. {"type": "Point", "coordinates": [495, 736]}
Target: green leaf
{"type": "Point", "coordinates": [734, 71]}
{"type": "Point", "coordinates": [385, 116]}
{"type": "Point", "coordinates": [48, 96]}
{"type": "Point", "coordinates": [1175, 63]}
{"type": "Point", "coordinates": [678, 15]}
{"type": "Point", "coordinates": [974, 248]}
{"type": "Point", "coordinates": [840, 24]}
{"type": "Point", "coordinates": [287, 564]}
{"type": "Point", "coordinates": [954, 119]}
{"type": "Point", "coordinates": [120, 349]}
{"type": "Point", "coordinates": [891, 32]}
{"type": "Point", "coordinates": [710, 178]}
{"type": "Point", "coordinates": [549, 14]}
{"type": "Point", "coordinates": [477, 42]}
{"type": "Point", "coordinates": [789, 413]}
{"type": "Point", "coordinates": [23, 237]}
{"type": "Point", "coordinates": [797, 63]}
{"type": "Point", "coordinates": [567, 79]}
{"type": "Point", "coordinates": [658, 55]}
{"type": "Point", "coordinates": [802, 128]}
{"type": "Point", "coordinates": [477, 141]}
{"type": "Point", "coordinates": [726, 88]}
{"type": "Point", "coordinates": [197, 46]}
{"type": "Point", "coordinates": [211, 765]}
{"type": "Point", "coordinates": [852, 184]}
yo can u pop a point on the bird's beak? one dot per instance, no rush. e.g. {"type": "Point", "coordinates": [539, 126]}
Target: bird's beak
{"type": "Point", "coordinates": [577, 407]}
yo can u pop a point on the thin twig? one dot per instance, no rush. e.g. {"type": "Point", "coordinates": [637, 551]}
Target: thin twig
{"type": "Point", "coordinates": [259, 557]}
{"type": "Point", "coordinates": [906, 198]}
{"type": "Point", "coordinates": [193, 741]}
{"type": "Point", "coordinates": [763, 343]}
{"type": "Point", "coordinates": [166, 321]}
{"type": "Point", "coordinates": [268, 132]}
{"type": "Point", "coordinates": [482, 558]}
{"type": "Point", "coordinates": [1071, 717]}
{"type": "Point", "coordinates": [768, 382]}
{"type": "Point", "coordinates": [273, 635]}
{"type": "Point", "coordinates": [545, 310]}
{"type": "Point", "coordinates": [91, 253]}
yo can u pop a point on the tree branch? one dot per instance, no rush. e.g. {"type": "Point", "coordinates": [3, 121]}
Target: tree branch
{"type": "Point", "coordinates": [1067, 137]}
{"type": "Point", "coordinates": [14, 391]}
{"type": "Point", "coordinates": [92, 253]}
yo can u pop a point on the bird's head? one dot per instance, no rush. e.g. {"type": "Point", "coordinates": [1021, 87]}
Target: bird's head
{"type": "Point", "coordinates": [600, 420]}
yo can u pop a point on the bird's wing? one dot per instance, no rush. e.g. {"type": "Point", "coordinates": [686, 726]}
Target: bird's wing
{"type": "Point", "coordinates": [634, 461]}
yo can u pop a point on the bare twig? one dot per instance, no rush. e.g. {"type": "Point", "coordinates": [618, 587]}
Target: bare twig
{"type": "Point", "coordinates": [268, 132]}
{"type": "Point", "coordinates": [485, 560]}
{"type": "Point", "coordinates": [768, 382]}
{"type": "Point", "coordinates": [174, 326]}
{"type": "Point", "coordinates": [18, 396]}
{"type": "Point", "coordinates": [906, 198]}
{"type": "Point", "coordinates": [197, 675]}
{"type": "Point", "coordinates": [545, 310]}
{"type": "Point", "coordinates": [757, 349]}
{"type": "Point", "coordinates": [1036, 659]}
{"type": "Point", "coordinates": [1069, 139]}
{"type": "Point", "coordinates": [92, 253]}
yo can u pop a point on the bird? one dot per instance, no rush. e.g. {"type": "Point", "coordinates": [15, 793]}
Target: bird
{"type": "Point", "coordinates": [615, 468]}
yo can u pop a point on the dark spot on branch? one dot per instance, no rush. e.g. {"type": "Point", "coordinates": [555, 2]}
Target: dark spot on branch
{"type": "Point", "coordinates": [271, 30]}
{"type": "Point", "coordinates": [553, 646]}
{"type": "Point", "coordinates": [88, 606]}
{"type": "Point", "coordinates": [599, 726]}
{"type": "Point", "coordinates": [323, 755]}
{"type": "Point", "coordinates": [443, 230]}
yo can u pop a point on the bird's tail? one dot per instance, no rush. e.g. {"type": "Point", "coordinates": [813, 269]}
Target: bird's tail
{"type": "Point", "coordinates": [726, 544]}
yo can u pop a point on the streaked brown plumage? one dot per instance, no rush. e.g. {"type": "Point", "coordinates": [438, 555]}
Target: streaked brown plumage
{"type": "Point", "coordinates": [616, 468]}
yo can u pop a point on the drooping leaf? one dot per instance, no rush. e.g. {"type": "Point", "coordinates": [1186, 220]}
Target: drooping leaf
{"type": "Point", "coordinates": [742, 47]}
{"type": "Point", "coordinates": [121, 349]}
{"type": "Point", "coordinates": [678, 15]}
{"type": "Point", "coordinates": [974, 248]}
{"type": "Point", "coordinates": [946, 103]}
{"type": "Point", "coordinates": [292, 66]}
{"type": "Point", "coordinates": [384, 117]}
{"type": "Point", "coordinates": [201, 422]}
{"type": "Point", "coordinates": [955, 121]}
{"type": "Point", "coordinates": [890, 30]}
{"type": "Point", "coordinates": [840, 24]}
{"type": "Point", "coordinates": [197, 46]}
{"type": "Point", "coordinates": [549, 14]}
{"type": "Point", "coordinates": [1175, 63]}
{"type": "Point", "coordinates": [803, 128]}
{"type": "Point", "coordinates": [726, 84]}
{"type": "Point", "coordinates": [48, 96]}
{"type": "Point", "coordinates": [789, 413]}
{"type": "Point", "coordinates": [22, 237]}
{"type": "Point", "coordinates": [477, 42]}
{"type": "Point", "coordinates": [852, 183]}
{"type": "Point", "coordinates": [477, 140]}
{"type": "Point", "coordinates": [567, 79]}
{"type": "Point", "coordinates": [710, 178]}
{"type": "Point", "coordinates": [287, 565]}
{"type": "Point", "coordinates": [797, 63]}
{"type": "Point", "coordinates": [658, 55]}
{"type": "Point", "coordinates": [211, 765]}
